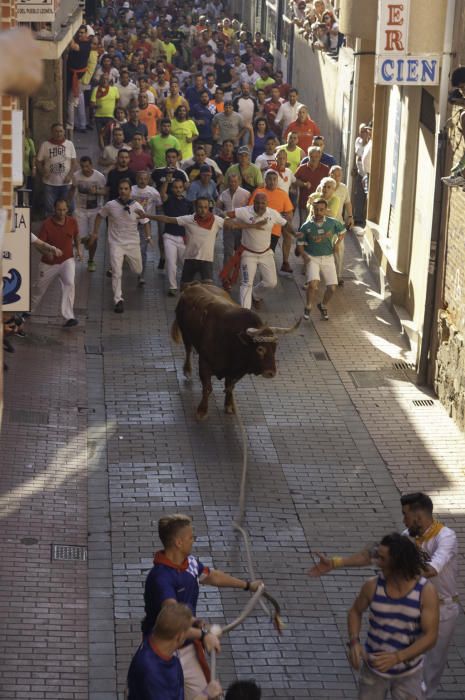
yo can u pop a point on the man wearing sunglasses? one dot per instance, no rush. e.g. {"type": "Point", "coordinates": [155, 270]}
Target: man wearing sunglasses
{"type": "Point", "coordinates": [123, 214]}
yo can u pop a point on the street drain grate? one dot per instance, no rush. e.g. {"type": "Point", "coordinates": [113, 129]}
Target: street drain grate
{"type": "Point", "coordinates": [68, 552]}
{"type": "Point", "coordinates": [404, 365]}
{"type": "Point", "coordinates": [25, 417]}
{"type": "Point", "coordinates": [320, 356]}
{"type": "Point", "coordinates": [93, 349]}
{"type": "Point", "coordinates": [423, 402]}
{"type": "Point", "coordinates": [28, 541]}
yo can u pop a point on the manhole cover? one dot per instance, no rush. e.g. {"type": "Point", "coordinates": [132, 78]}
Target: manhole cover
{"type": "Point", "coordinates": [25, 417]}
{"type": "Point", "coordinates": [375, 378]}
{"type": "Point", "coordinates": [320, 356]}
{"type": "Point", "coordinates": [28, 541]}
{"type": "Point", "coordinates": [68, 552]}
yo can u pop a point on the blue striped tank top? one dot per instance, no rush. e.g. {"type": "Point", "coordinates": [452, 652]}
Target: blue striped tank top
{"type": "Point", "coordinates": [394, 624]}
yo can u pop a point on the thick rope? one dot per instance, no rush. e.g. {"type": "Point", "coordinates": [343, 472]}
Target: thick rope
{"type": "Point", "coordinates": [238, 526]}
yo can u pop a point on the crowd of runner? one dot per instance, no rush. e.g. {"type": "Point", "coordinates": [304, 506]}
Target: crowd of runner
{"type": "Point", "coordinates": [198, 134]}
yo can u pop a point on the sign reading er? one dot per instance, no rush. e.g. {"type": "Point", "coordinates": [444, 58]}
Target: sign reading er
{"type": "Point", "coordinates": [394, 64]}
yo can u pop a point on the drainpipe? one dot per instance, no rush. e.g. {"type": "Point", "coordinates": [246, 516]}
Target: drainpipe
{"type": "Point", "coordinates": [434, 277]}
{"type": "Point", "coordinates": [353, 112]}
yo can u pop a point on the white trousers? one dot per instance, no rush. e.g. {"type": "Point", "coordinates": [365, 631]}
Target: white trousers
{"type": "Point", "coordinates": [436, 658]}
{"type": "Point", "coordinates": [174, 255]}
{"type": "Point", "coordinates": [117, 255]}
{"type": "Point", "coordinates": [265, 264]}
{"type": "Point", "coordinates": [65, 271]}
{"type": "Point", "coordinates": [194, 678]}
{"type": "Point", "coordinates": [339, 259]}
{"type": "Point", "coordinates": [85, 220]}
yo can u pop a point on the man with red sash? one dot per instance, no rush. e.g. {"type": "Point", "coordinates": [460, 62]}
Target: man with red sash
{"type": "Point", "coordinates": [175, 577]}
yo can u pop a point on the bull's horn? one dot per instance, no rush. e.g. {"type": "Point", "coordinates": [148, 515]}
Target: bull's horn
{"type": "Point", "coordinates": [282, 331]}
{"type": "Point", "coordinates": [252, 332]}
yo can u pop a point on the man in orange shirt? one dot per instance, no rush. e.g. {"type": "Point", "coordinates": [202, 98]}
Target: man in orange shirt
{"type": "Point", "coordinates": [279, 201]}
{"type": "Point", "coordinates": [149, 115]}
{"type": "Point", "coordinates": [305, 127]}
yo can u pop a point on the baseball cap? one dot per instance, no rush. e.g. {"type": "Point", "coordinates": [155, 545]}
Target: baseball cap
{"type": "Point", "coordinates": [243, 149]}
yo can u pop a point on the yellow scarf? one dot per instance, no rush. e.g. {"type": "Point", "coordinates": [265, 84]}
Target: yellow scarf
{"type": "Point", "coordinates": [433, 530]}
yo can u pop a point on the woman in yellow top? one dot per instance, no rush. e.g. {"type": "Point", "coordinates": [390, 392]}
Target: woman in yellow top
{"type": "Point", "coordinates": [104, 99]}
{"type": "Point", "coordinates": [326, 190]}
{"type": "Point", "coordinates": [185, 131]}
{"type": "Point", "coordinates": [82, 121]}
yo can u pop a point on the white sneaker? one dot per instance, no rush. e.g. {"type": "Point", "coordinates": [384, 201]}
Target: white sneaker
{"type": "Point", "coordinates": [454, 181]}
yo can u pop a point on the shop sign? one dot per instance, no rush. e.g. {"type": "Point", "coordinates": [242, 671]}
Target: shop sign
{"type": "Point", "coordinates": [35, 11]}
{"type": "Point", "coordinates": [394, 65]}
{"type": "Point", "coordinates": [16, 267]}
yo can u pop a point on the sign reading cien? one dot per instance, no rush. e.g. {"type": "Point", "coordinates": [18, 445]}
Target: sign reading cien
{"type": "Point", "coordinates": [394, 65]}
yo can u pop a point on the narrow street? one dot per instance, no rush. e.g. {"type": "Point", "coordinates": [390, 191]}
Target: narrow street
{"type": "Point", "coordinates": [102, 440]}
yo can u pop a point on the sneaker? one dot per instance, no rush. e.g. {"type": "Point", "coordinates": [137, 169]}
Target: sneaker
{"type": "Point", "coordinates": [256, 303]}
{"type": "Point", "coordinates": [341, 283]}
{"type": "Point", "coordinates": [161, 264]}
{"type": "Point", "coordinates": [140, 282]}
{"type": "Point", "coordinates": [307, 312]}
{"type": "Point", "coordinates": [109, 273]}
{"type": "Point", "coordinates": [119, 307]}
{"type": "Point", "coordinates": [91, 266]}
{"type": "Point", "coordinates": [70, 323]}
{"type": "Point", "coordinates": [286, 269]}
{"type": "Point", "coordinates": [172, 292]}
{"type": "Point", "coordinates": [453, 181]}
{"type": "Point", "coordinates": [323, 312]}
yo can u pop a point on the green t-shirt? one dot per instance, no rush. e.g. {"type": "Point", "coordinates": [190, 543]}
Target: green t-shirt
{"type": "Point", "coordinates": [251, 177]}
{"type": "Point", "coordinates": [105, 106]}
{"type": "Point", "coordinates": [182, 131]}
{"type": "Point", "coordinates": [319, 238]}
{"type": "Point", "coordinates": [293, 157]}
{"type": "Point", "coordinates": [28, 154]}
{"type": "Point", "coordinates": [159, 145]}
{"type": "Point", "coordinates": [261, 83]}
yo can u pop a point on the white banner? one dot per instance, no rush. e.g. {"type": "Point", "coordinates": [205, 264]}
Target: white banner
{"type": "Point", "coordinates": [393, 23]}
{"type": "Point", "coordinates": [18, 147]}
{"type": "Point", "coordinates": [16, 268]}
{"type": "Point", "coordinates": [35, 11]}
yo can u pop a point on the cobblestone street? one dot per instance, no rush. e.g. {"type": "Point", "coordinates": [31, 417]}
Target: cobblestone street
{"type": "Point", "coordinates": [101, 439]}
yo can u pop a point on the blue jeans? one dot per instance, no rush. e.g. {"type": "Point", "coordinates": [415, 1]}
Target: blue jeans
{"type": "Point", "coordinates": [52, 193]}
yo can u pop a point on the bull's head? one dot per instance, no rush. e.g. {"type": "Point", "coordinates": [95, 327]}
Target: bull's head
{"type": "Point", "coordinates": [264, 342]}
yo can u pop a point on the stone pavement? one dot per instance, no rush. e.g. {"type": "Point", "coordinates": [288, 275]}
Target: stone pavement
{"type": "Point", "coordinates": [332, 441]}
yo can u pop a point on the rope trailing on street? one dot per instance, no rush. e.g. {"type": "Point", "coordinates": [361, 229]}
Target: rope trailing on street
{"type": "Point", "coordinates": [237, 524]}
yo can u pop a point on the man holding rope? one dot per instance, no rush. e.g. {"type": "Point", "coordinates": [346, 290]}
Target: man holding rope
{"type": "Point", "coordinates": [175, 578]}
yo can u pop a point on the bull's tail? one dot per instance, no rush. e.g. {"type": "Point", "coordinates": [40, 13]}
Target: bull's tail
{"type": "Point", "coordinates": [176, 336]}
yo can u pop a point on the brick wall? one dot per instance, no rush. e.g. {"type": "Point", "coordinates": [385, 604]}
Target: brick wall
{"type": "Point", "coordinates": [450, 360]}
{"type": "Point", "coordinates": [7, 104]}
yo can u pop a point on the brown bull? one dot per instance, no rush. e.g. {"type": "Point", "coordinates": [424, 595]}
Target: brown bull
{"type": "Point", "coordinates": [231, 341]}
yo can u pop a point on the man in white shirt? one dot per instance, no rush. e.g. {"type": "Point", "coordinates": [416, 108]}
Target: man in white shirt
{"type": "Point", "coordinates": [201, 231]}
{"type": "Point", "coordinates": [149, 199]}
{"type": "Point", "coordinates": [123, 216]}
{"type": "Point", "coordinates": [257, 221]}
{"type": "Point", "coordinates": [344, 215]}
{"type": "Point", "coordinates": [88, 188]}
{"type": "Point", "coordinates": [56, 161]}
{"type": "Point", "coordinates": [438, 544]}
{"type": "Point", "coordinates": [128, 91]}
{"type": "Point", "coordinates": [287, 113]}
{"type": "Point", "coordinates": [233, 197]}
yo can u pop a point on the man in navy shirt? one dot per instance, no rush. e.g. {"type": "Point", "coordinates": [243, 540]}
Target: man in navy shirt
{"type": "Point", "coordinates": [194, 91]}
{"type": "Point", "coordinates": [155, 672]}
{"type": "Point", "coordinates": [203, 116]}
{"type": "Point", "coordinates": [175, 577]}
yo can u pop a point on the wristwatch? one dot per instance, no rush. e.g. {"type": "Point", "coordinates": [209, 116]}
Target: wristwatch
{"type": "Point", "coordinates": [203, 633]}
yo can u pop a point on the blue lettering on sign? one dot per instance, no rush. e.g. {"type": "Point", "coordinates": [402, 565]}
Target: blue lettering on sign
{"type": "Point", "coordinates": [429, 70]}
{"type": "Point", "coordinates": [409, 71]}
{"type": "Point", "coordinates": [384, 66]}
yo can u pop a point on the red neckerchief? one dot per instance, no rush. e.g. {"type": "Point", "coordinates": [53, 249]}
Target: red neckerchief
{"type": "Point", "coordinates": [102, 91]}
{"type": "Point", "coordinates": [274, 166]}
{"type": "Point", "coordinates": [57, 142]}
{"type": "Point", "coordinates": [157, 651]}
{"type": "Point", "coordinates": [161, 558]}
{"type": "Point", "coordinates": [205, 223]}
